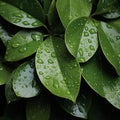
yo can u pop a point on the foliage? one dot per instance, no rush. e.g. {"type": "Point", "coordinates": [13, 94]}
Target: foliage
{"type": "Point", "coordinates": [59, 59]}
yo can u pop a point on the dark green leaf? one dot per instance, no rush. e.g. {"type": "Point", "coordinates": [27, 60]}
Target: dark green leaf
{"type": "Point", "coordinates": [71, 9]}
{"type": "Point", "coordinates": [110, 43]}
{"type": "Point", "coordinates": [4, 74]}
{"type": "Point", "coordinates": [57, 69]}
{"type": "Point", "coordinates": [23, 44]}
{"type": "Point", "coordinates": [102, 80]}
{"type": "Point", "coordinates": [18, 17]}
{"type": "Point", "coordinates": [81, 39]}
{"type": "Point", "coordinates": [25, 83]}
{"type": "Point", "coordinates": [38, 108]}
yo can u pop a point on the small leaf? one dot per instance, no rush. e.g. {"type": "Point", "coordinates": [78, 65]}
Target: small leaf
{"type": "Point", "coordinates": [25, 84]}
{"type": "Point", "coordinates": [4, 74]}
{"type": "Point", "coordinates": [110, 43]}
{"type": "Point", "coordinates": [81, 39]}
{"type": "Point", "coordinates": [17, 16]}
{"type": "Point", "coordinates": [57, 69]}
{"type": "Point", "coordinates": [38, 108]}
{"type": "Point", "coordinates": [102, 80]}
{"type": "Point", "coordinates": [69, 9]}
{"type": "Point", "coordinates": [23, 44]}
{"type": "Point", "coordinates": [81, 107]}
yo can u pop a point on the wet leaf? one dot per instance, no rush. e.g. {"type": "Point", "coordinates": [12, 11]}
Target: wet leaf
{"type": "Point", "coordinates": [38, 108]}
{"type": "Point", "coordinates": [81, 39]}
{"type": "Point", "coordinates": [69, 10]}
{"type": "Point", "coordinates": [110, 41]}
{"type": "Point", "coordinates": [23, 44]}
{"type": "Point", "coordinates": [25, 83]}
{"type": "Point", "coordinates": [17, 16]}
{"type": "Point", "coordinates": [102, 80]}
{"type": "Point", "coordinates": [57, 69]}
{"type": "Point", "coordinates": [4, 74]}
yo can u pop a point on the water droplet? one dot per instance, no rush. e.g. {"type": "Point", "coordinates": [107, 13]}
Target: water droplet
{"type": "Point", "coordinates": [92, 47]}
{"type": "Point", "coordinates": [81, 59]}
{"type": "Point", "coordinates": [1, 68]}
{"type": "Point", "coordinates": [25, 22]}
{"type": "Point", "coordinates": [38, 55]}
{"type": "Point", "coordinates": [75, 65]}
{"type": "Point", "coordinates": [81, 52]}
{"type": "Point", "coordinates": [89, 54]}
{"type": "Point", "coordinates": [36, 37]}
{"type": "Point", "coordinates": [86, 28]}
{"type": "Point", "coordinates": [17, 20]}
{"type": "Point", "coordinates": [18, 15]}
{"type": "Point", "coordinates": [92, 31]}
{"type": "Point", "coordinates": [41, 73]}
{"type": "Point", "coordinates": [23, 49]}
{"type": "Point", "coordinates": [55, 85]}
{"type": "Point", "coordinates": [15, 45]}
{"type": "Point", "coordinates": [36, 23]}
{"type": "Point", "coordinates": [117, 37]}
{"type": "Point", "coordinates": [89, 40]}
{"type": "Point", "coordinates": [40, 61]}
{"type": "Point", "coordinates": [108, 26]}
{"type": "Point", "coordinates": [29, 16]}
{"type": "Point", "coordinates": [47, 77]}
{"type": "Point", "coordinates": [68, 92]}
{"type": "Point", "coordinates": [86, 34]}
{"type": "Point", "coordinates": [47, 50]}
{"type": "Point", "coordinates": [47, 83]}
{"type": "Point", "coordinates": [50, 61]}
{"type": "Point", "coordinates": [53, 54]}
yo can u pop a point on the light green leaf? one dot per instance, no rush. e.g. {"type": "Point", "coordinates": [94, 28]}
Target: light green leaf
{"type": "Point", "coordinates": [38, 108]}
{"type": "Point", "coordinates": [17, 16]}
{"type": "Point", "coordinates": [4, 74]}
{"type": "Point", "coordinates": [71, 9]}
{"type": "Point", "coordinates": [81, 39]}
{"type": "Point", "coordinates": [25, 83]}
{"type": "Point", "coordinates": [23, 44]}
{"type": "Point", "coordinates": [57, 69]}
{"type": "Point", "coordinates": [102, 80]}
{"type": "Point", "coordinates": [110, 43]}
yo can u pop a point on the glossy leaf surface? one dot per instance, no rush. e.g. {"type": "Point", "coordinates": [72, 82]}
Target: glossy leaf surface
{"type": "Point", "coordinates": [57, 69]}
{"type": "Point", "coordinates": [38, 108]}
{"type": "Point", "coordinates": [25, 83]}
{"type": "Point", "coordinates": [17, 16]}
{"type": "Point", "coordinates": [110, 43]}
{"type": "Point", "coordinates": [102, 80]}
{"type": "Point", "coordinates": [4, 74]}
{"type": "Point", "coordinates": [23, 44]}
{"type": "Point", "coordinates": [69, 9]}
{"type": "Point", "coordinates": [81, 39]}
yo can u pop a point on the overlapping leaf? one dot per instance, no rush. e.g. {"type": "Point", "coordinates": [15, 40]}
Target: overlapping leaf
{"type": "Point", "coordinates": [102, 80]}
{"type": "Point", "coordinates": [110, 43]}
{"type": "Point", "coordinates": [71, 9]}
{"type": "Point", "coordinates": [25, 83]}
{"type": "Point", "coordinates": [57, 69]}
{"type": "Point", "coordinates": [17, 16]}
{"type": "Point", "coordinates": [81, 39]}
{"type": "Point", "coordinates": [23, 44]}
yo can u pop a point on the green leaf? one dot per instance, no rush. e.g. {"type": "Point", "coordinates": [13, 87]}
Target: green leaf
{"type": "Point", "coordinates": [23, 44]}
{"type": "Point", "coordinates": [110, 43]}
{"type": "Point", "coordinates": [81, 39]}
{"type": "Point", "coordinates": [57, 69]}
{"type": "Point", "coordinates": [9, 92]}
{"type": "Point", "coordinates": [102, 80]}
{"type": "Point", "coordinates": [17, 16]}
{"type": "Point", "coordinates": [69, 9]}
{"type": "Point", "coordinates": [38, 108]}
{"type": "Point", "coordinates": [81, 107]}
{"type": "Point", "coordinates": [25, 83]}
{"type": "Point", "coordinates": [4, 74]}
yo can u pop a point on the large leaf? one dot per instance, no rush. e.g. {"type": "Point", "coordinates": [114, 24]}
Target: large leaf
{"type": "Point", "coordinates": [71, 9]}
{"type": "Point", "coordinates": [38, 109]}
{"type": "Point", "coordinates": [81, 39]}
{"type": "Point", "coordinates": [23, 44]}
{"type": "Point", "coordinates": [110, 43]}
{"type": "Point", "coordinates": [4, 74]}
{"type": "Point", "coordinates": [102, 80]}
{"type": "Point", "coordinates": [57, 69]}
{"type": "Point", "coordinates": [81, 107]}
{"type": "Point", "coordinates": [17, 16]}
{"type": "Point", "coordinates": [25, 82]}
